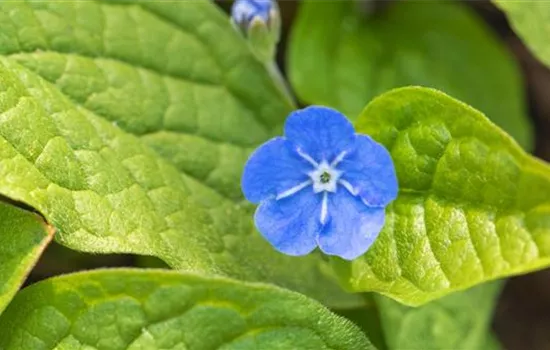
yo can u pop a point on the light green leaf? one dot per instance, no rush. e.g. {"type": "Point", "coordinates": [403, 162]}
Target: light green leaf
{"type": "Point", "coordinates": [127, 124]}
{"type": "Point", "coordinates": [458, 321]}
{"type": "Point", "coordinates": [155, 309]}
{"type": "Point", "coordinates": [341, 59]}
{"type": "Point", "coordinates": [530, 20]}
{"type": "Point", "coordinates": [23, 238]}
{"type": "Point", "coordinates": [472, 205]}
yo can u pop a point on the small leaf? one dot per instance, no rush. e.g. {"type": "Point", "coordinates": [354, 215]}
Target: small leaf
{"type": "Point", "coordinates": [155, 309]}
{"type": "Point", "coordinates": [127, 124]}
{"type": "Point", "coordinates": [530, 20]}
{"type": "Point", "coordinates": [472, 206]}
{"type": "Point", "coordinates": [339, 58]}
{"type": "Point", "coordinates": [23, 238]}
{"type": "Point", "coordinates": [458, 321]}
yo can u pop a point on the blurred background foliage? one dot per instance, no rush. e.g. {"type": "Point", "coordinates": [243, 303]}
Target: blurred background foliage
{"type": "Point", "coordinates": [515, 86]}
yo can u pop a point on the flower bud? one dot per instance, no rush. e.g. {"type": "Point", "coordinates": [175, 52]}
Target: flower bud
{"type": "Point", "coordinates": [260, 23]}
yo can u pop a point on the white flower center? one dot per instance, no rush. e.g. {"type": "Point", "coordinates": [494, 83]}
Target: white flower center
{"type": "Point", "coordinates": [324, 178]}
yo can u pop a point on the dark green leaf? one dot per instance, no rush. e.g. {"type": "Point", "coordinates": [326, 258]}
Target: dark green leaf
{"type": "Point", "coordinates": [458, 321]}
{"type": "Point", "coordinates": [341, 59]}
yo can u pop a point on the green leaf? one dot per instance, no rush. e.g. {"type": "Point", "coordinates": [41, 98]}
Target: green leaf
{"type": "Point", "coordinates": [530, 20]}
{"type": "Point", "coordinates": [127, 124]}
{"type": "Point", "coordinates": [458, 321]}
{"type": "Point", "coordinates": [472, 206]}
{"type": "Point", "coordinates": [491, 342]}
{"type": "Point", "coordinates": [23, 238]}
{"type": "Point", "coordinates": [341, 59]}
{"type": "Point", "coordinates": [367, 318]}
{"type": "Point", "coordinates": [155, 309]}
{"type": "Point", "coordinates": [461, 320]}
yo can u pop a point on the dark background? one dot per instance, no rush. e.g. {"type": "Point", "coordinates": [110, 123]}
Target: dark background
{"type": "Point", "coordinates": [522, 317]}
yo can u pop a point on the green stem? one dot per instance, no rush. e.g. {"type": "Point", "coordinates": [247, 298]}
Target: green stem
{"type": "Point", "coordinates": [281, 82]}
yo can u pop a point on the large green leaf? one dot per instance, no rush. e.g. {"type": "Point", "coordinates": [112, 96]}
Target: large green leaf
{"type": "Point", "coordinates": [155, 309]}
{"type": "Point", "coordinates": [127, 125]}
{"type": "Point", "coordinates": [472, 205]}
{"type": "Point", "coordinates": [530, 20]}
{"type": "Point", "coordinates": [458, 321]}
{"type": "Point", "coordinates": [341, 59]}
{"type": "Point", "coordinates": [23, 238]}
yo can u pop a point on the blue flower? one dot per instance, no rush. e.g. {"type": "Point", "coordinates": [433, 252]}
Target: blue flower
{"type": "Point", "coordinates": [244, 11]}
{"type": "Point", "coordinates": [320, 185]}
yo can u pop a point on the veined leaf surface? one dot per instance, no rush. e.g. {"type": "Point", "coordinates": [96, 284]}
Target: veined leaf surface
{"type": "Point", "coordinates": [155, 309]}
{"type": "Point", "coordinates": [127, 124]}
{"type": "Point", "coordinates": [472, 205]}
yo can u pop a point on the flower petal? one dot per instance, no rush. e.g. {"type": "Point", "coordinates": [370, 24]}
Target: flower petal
{"type": "Point", "coordinates": [352, 226]}
{"type": "Point", "coordinates": [246, 10]}
{"type": "Point", "coordinates": [291, 224]}
{"type": "Point", "coordinates": [320, 132]}
{"type": "Point", "coordinates": [272, 169]}
{"type": "Point", "coordinates": [370, 172]}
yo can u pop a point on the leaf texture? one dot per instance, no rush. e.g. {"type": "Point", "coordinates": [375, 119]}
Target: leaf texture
{"type": "Point", "coordinates": [127, 124]}
{"type": "Point", "coordinates": [472, 205]}
{"type": "Point", "coordinates": [154, 309]}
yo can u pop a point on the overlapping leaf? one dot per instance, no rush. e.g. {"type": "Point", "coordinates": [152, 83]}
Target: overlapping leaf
{"type": "Point", "coordinates": [341, 58]}
{"type": "Point", "coordinates": [23, 237]}
{"type": "Point", "coordinates": [127, 125]}
{"type": "Point", "coordinates": [148, 309]}
{"type": "Point", "coordinates": [458, 321]}
{"type": "Point", "coordinates": [530, 20]}
{"type": "Point", "coordinates": [472, 205]}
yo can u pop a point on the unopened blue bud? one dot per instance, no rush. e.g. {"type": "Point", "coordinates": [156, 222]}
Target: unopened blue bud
{"type": "Point", "coordinates": [244, 11]}
{"type": "Point", "coordinates": [260, 23]}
